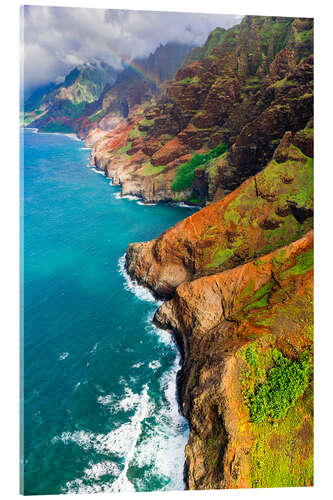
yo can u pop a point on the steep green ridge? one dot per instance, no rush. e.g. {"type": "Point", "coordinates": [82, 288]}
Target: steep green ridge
{"type": "Point", "coordinates": [55, 108]}
{"type": "Point", "coordinates": [92, 91]}
{"type": "Point", "coordinates": [215, 38]}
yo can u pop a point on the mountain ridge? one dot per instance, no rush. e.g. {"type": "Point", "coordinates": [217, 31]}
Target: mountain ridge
{"type": "Point", "coordinates": [93, 90]}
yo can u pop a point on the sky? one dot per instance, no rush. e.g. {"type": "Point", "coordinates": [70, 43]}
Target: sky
{"type": "Point", "coordinates": [56, 39]}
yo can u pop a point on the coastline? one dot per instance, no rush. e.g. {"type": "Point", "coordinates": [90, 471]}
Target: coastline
{"type": "Point", "coordinates": [161, 398]}
{"type": "Point", "coordinates": [225, 279]}
{"type": "Point", "coordinates": [222, 404]}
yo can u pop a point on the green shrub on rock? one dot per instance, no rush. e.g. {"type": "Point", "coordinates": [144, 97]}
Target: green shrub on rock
{"type": "Point", "coordinates": [285, 382]}
{"type": "Point", "coordinates": [185, 173]}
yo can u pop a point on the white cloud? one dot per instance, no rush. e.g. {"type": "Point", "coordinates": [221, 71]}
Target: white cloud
{"type": "Point", "coordinates": [58, 38]}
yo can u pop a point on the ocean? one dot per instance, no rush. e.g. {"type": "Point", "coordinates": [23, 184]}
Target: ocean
{"type": "Point", "coordinates": [99, 408]}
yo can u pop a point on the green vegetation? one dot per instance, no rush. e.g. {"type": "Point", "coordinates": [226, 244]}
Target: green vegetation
{"type": "Point", "coordinates": [260, 298]}
{"type": "Point", "coordinates": [275, 463]}
{"type": "Point", "coordinates": [282, 450]}
{"type": "Point", "coordinates": [185, 173]}
{"type": "Point", "coordinates": [253, 83]}
{"type": "Point", "coordinates": [70, 109]}
{"type": "Point", "coordinates": [27, 118]}
{"type": "Point", "coordinates": [279, 185]}
{"type": "Point", "coordinates": [135, 132]}
{"type": "Point", "coordinates": [284, 82]}
{"type": "Point", "coordinates": [125, 148]}
{"type": "Point", "coordinates": [98, 115]}
{"type": "Point", "coordinates": [151, 170]}
{"type": "Point", "coordinates": [215, 38]}
{"type": "Point", "coordinates": [57, 127]}
{"type": "Point", "coordinates": [275, 34]}
{"type": "Point", "coordinates": [304, 263]}
{"type": "Point", "coordinates": [251, 356]}
{"type": "Point", "coordinates": [193, 200]}
{"type": "Point", "coordinates": [285, 382]}
{"type": "Point", "coordinates": [186, 80]}
{"type": "Point", "coordinates": [221, 255]}
{"type": "Point", "coordinates": [212, 452]}
{"type": "Point", "coordinates": [146, 123]}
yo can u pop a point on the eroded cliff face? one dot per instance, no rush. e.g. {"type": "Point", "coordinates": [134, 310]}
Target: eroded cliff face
{"type": "Point", "coordinates": [230, 327]}
{"type": "Point", "coordinates": [233, 131]}
{"type": "Point", "coordinates": [245, 93]}
{"type": "Point", "coordinates": [269, 210]}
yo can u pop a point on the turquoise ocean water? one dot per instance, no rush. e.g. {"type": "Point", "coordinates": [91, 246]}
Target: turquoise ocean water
{"type": "Point", "coordinates": [99, 380]}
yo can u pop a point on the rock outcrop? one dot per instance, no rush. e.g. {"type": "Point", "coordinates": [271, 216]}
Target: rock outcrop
{"type": "Point", "coordinates": [269, 210]}
{"type": "Point", "coordinates": [233, 328]}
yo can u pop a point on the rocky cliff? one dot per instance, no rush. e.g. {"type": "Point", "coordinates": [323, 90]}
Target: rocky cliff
{"type": "Point", "coordinates": [246, 381]}
{"type": "Point", "coordinates": [240, 99]}
{"type": "Point", "coordinates": [268, 210]}
{"type": "Point", "coordinates": [235, 132]}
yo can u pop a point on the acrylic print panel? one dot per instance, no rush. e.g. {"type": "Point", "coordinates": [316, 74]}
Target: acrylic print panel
{"type": "Point", "coordinates": [167, 314]}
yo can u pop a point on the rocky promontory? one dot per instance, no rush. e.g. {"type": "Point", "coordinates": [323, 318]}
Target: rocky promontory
{"type": "Point", "coordinates": [269, 210]}
{"type": "Point", "coordinates": [234, 330]}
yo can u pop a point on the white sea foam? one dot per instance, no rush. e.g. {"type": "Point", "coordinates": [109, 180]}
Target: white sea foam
{"type": "Point", "coordinates": [162, 448]}
{"type": "Point", "coordinates": [71, 136]}
{"type": "Point", "coordinates": [146, 204]}
{"type": "Point", "coordinates": [120, 196]}
{"type": "Point", "coordinates": [128, 402]}
{"type": "Point", "coordinates": [106, 400]}
{"type": "Point", "coordinates": [163, 336]}
{"type": "Point", "coordinates": [93, 473]}
{"type": "Point", "coordinates": [63, 355]}
{"type": "Point", "coordinates": [98, 171]}
{"type": "Point", "coordinates": [154, 365]}
{"type": "Point", "coordinates": [184, 205]}
{"type": "Point", "coordinates": [94, 348]}
{"type": "Point", "coordinates": [138, 365]}
{"type": "Point", "coordinates": [141, 292]}
{"type": "Point", "coordinates": [129, 197]}
{"type": "Point", "coordinates": [120, 442]}
{"type": "Point", "coordinates": [85, 148]}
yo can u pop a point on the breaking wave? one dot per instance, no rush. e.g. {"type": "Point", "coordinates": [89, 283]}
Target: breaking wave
{"type": "Point", "coordinates": [141, 292]}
